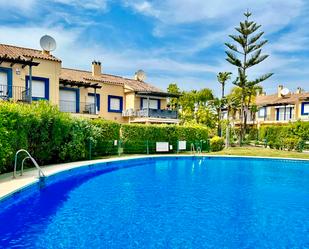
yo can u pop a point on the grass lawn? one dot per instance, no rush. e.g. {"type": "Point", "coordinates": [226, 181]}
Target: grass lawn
{"type": "Point", "coordinates": [253, 151]}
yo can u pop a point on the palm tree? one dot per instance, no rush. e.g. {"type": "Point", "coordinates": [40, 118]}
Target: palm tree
{"type": "Point", "coordinates": [223, 77]}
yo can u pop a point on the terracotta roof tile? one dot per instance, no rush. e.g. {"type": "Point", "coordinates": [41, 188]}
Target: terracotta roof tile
{"type": "Point", "coordinates": [86, 76]}
{"type": "Point", "coordinates": [275, 100]}
{"type": "Point", "coordinates": [14, 52]}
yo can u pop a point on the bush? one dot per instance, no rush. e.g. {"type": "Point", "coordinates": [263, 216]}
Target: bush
{"type": "Point", "coordinates": [136, 138]}
{"type": "Point", "coordinates": [55, 137]}
{"type": "Point", "coordinates": [48, 134]}
{"type": "Point", "coordinates": [291, 136]}
{"type": "Point", "coordinates": [216, 143]}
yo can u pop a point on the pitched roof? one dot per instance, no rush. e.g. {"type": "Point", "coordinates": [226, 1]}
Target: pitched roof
{"type": "Point", "coordinates": [275, 100]}
{"type": "Point", "coordinates": [86, 77]}
{"type": "Point", "coordinates": [14, 52]}
{"type": "Point", "coordinates": [140, 86]}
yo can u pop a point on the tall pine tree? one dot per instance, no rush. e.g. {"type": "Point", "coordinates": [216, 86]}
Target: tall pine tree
{"type": "Point", "coordinates": [245, 53]}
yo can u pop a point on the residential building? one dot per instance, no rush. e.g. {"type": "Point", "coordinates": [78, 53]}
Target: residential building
{"type": "Point", "coordinates": [93, 94]}
{"type": "Point", "coordinates": [279, 108]}
{"type": "Point", "coordinates": [283, 107]}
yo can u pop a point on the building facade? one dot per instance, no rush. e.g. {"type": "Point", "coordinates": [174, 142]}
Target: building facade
{"type": "Point", "coordinates": [279, 108]}
{"type": "Point", "coordinates": [28, 72]}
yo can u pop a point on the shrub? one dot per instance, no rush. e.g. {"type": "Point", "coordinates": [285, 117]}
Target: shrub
{"type": "Point", "coordinates": [216, 143]}
{"type": "Point", "coordinates": [136, 138]}
{"type": "Point", "coordinates": [54, 137]}
{"type": "Point", "coordinates": [50, 135]}
{"type": "Point", "coordinates": [291, 136]}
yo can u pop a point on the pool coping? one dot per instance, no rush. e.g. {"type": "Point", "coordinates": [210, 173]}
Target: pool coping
{"type": "Point", "coordinates": [10, 186]}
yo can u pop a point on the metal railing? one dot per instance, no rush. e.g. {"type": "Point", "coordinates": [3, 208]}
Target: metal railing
{"type": "Point", "coordinates": [152, 113]}
{"type": "Point", "coordinates": [80, 107]}
{"type": "Point", "coordinates": [16, 93]}
{"type": "Point", "coordinates": [40, 172]}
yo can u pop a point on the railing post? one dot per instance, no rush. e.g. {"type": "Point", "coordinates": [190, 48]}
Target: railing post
{"type": "Point", "coordinates": [147, 144]}
{"type": "Point", "coordinates": [119, 147]}
{"type": "Point", "coordinates": [90, 149]}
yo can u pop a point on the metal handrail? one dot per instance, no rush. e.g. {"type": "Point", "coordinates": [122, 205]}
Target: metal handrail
{"type": "Point", "coordinates": [199, 150]}
{"type": "Point", "coordinates": [192, 148]}
{"type": "Point", "coordinates": [41, 174]}
{"type": "Point", "coordinates": [22, 165]}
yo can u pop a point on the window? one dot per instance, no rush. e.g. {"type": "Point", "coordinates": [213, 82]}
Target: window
{"type": "Point", "coordinates": [40, 87]}
{"type": "Point", "coordinates": [5, 82]}
{"type": "Point", "coordinates": [69, 100]}
{"type": "Point", "coordinates": [262, 112]}
{"type": "Point", "coordinates": [284, 113]}
{"type": "Point", "coordinates": [153, 103]}
{"type": "Point", "coordinates": [91, 102]}
{"type": "Point", "coordinates": [115, 103]}
{"type": "Point", "coordinates": [305, 108]}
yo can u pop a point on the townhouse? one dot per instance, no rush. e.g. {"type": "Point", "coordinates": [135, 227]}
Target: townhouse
{"type": "Point", "coordinates": [283, 106]}
{"type": "Point", "coordinates": [279, 108]}
{"type": "Point", "coordinates": [28, 75]}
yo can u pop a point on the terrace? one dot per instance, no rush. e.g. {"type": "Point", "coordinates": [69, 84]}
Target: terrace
{"type": "Point", "coordinates": [16, 93]}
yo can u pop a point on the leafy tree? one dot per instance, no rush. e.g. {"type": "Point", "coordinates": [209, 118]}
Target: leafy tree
{"type": "Point", "coordinates": [187, 101]}
{"type": "Point", "coordinates": [244, 54]}
{"type": "Point", "coordinates": [174, 89]}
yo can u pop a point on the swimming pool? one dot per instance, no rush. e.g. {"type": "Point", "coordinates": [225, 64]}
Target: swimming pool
{"type": "Point", "coordinates": [164, 202]}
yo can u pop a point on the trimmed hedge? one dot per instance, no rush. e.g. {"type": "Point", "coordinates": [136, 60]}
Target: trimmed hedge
{"type": "Point", "coordinates": [55, 137]}
{"type": "Point", "coordinates": [291, 136]}
{"type": "Point", "coordinates": [48, 134]}
{"type": "Point", "coordinates": [136, 138]}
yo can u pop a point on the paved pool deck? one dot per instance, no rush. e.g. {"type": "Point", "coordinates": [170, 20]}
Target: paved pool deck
{"type": "Point", "coordinates": [8, 185]}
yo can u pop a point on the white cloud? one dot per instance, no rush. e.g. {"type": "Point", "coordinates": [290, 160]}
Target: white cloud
{"type": "Point", "coordinates": [23, 5]}
{"type": "Point", "coordinates": [86, 4]}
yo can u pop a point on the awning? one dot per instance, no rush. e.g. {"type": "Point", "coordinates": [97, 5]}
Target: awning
{"type": "Point", "coordinates": [79, 84]}
{"type": "Point", "coordinates": [18, 60]}
{"type": "Point", "coordinates": [157, 94]}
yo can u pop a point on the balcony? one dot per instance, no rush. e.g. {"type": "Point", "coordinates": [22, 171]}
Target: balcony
{"type": "Point", "coordinates": [79, 108]}
{"type": "Point", "coordinates": [151, 116]}
{"type": "Point", "coordinates": [15, 93]}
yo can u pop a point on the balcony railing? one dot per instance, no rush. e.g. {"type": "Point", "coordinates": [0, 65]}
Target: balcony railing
{"type": "Point", "coordinates": [81, 107]}
{"type": "Point", "coordinates": [151, 113]}
{"type": "Point", "coordinates": [16, 93]}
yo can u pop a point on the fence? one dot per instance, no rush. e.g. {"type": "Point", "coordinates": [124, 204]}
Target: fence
{"type": "Point", "coordinates": [120, 147]}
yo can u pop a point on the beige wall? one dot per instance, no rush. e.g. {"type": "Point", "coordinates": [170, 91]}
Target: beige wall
{"type": "Point", "coordinates": [302, 117]}
{"type": "Point", "coordinates": [107, 89]}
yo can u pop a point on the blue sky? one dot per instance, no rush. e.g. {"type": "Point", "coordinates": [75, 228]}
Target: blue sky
{"type": "Point", "coordinates": [177, 41]}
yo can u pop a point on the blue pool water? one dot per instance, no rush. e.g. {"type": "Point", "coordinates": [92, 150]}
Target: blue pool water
{"type": "Point", "coordinates": [164, 203]}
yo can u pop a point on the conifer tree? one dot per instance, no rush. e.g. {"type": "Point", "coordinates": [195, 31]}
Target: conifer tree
{"type": "Point", "coordinates": [245, 53]}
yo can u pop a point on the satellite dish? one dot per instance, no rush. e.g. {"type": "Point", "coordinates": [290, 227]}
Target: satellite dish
{"type": "Point", "coordinates": [48, 43]}
{"type": "Point", "coordinates": [285, 92]}
{"type": "Point", "coordinates": [140, 75]}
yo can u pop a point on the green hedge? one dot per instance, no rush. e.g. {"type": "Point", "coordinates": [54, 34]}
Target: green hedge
{"type": "Point", "coordinates": [291, 136]}
{"type": "Point", "coordinates": [50, 135]}
{"type": "Point", "coordinates": [55, 137]}
{"type": "Point", "coordinates": [136, 138]}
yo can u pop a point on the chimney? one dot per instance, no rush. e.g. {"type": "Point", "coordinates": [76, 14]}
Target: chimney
{"type": "Point", "coordinates": [280, 87]}
{"type": "Point", "coordinates": [299, 90]}
{"type": "Point", "coordinates": [96, 68]}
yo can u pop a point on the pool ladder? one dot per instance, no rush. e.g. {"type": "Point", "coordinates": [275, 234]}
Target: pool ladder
{"type": "Point", "coordinates": [198, 150]}
{"type": "Point", "coordinates": [40, 172]}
